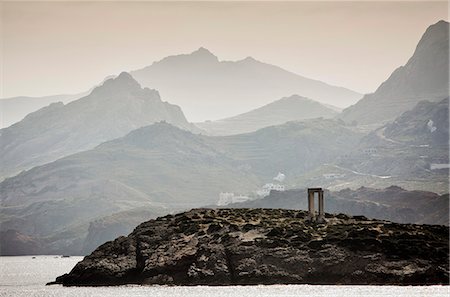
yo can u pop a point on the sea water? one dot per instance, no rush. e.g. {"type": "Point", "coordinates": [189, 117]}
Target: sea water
{"type": "Point", "coordinates": [26, 276]}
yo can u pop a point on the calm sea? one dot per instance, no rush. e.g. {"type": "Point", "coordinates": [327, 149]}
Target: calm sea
{"type": "Point", "coordinates": [25, 276]}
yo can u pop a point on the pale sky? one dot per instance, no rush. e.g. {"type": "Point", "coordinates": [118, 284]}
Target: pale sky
{"type": "Point", "coordinates": [67, 47]}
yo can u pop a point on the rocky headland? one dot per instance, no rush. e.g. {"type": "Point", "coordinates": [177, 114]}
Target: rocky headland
{"type": "Point", "coordinates": [267, 246]}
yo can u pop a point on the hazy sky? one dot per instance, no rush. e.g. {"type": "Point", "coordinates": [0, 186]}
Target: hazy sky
{"type": "Point", "coordinates": [67, 47]}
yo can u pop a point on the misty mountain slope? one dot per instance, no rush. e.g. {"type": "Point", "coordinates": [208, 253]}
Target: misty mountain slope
{"type": "Point", "coordinates": [293, 108]}
{"type": "Point", "coordinates": [426, 124]}
{"type": "Point", "coordinates": [152, 167]}
{"type": "Point", "coordinates": [159, 166]}
{"type": "Point", "coordinates": [424, 77]}
{"type": "Point", "coordinates": [13, 110]}
{"type": "Point", "coordinates": [292, 148]}
{"type": "Point", "coordinates": [392, 203]}
{"type": "Point", "coordinates": [410, 145]}
{"type": "Point", "coordinates": [109, 111]}
{"type": "Point", "coordinates": [156, 161]}
{"type": "Point", "coordinates": [115, 225]}
{"type": "Point", "coordinates": [412, 152]}
{"type": "Point", "coordinates": [203, 85]}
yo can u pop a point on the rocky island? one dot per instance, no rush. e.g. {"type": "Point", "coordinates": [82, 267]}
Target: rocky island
{"type": "Point", "coordinates": [267, 246]}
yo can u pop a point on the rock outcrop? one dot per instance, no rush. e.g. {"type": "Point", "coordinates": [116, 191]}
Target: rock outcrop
{"type": "Point", "coordinates": [267, 246]}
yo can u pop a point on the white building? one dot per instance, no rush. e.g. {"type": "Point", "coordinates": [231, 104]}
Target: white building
{"type": "Point", "coordinates": [226, 198]}
{"type": "Point", "coordinates": [269, 187]}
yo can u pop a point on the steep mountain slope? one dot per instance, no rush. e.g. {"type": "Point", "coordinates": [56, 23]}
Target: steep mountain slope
{"type": "Point", "coordinates": [158, 166]}
{"type": "Point", "coordinates": [424, 77]}
{"type": "Point", "coordinates": [411, 152]}
{"type": "Point", "coordinates": [426, 124]}
{"type": "Point", "coordinates": [392, 203]}
{"type": "Point", "coordinates": [109, 111]}
{"type": "Point", "coordinates": [14, 109]}
{"type": "Point", "coordinates": [203, 85]}
{"type": "Point", "coordinates": [293, 108]}
{"type": "Point", "coordinates": [408, 146]}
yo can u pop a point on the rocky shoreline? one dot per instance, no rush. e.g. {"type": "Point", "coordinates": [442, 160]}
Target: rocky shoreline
{"type": "Point", "coordinates": [267, 246]}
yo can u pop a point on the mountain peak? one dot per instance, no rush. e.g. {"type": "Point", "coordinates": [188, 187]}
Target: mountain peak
{"type": "Point", "coordinates": [158, 133]}
{"type": "Point", "coordinates": [435, 33]}
{"type": "Point", "coordinates": [203, 54]}
{"type": "Point", "coordinates": [295, 97]}
{"type": "Point", "coordinates": [249, 61]}
{"type": "Point", "coordinates": [424, 76]}
{"type": "Point", "coordinates": [124, 76]}
{"type": "Point", "coordinates": [203, 51]}
{"type": "Point", "coordinates": [441, 23]}
{"type": "Point", "coordinates": [123, 82]}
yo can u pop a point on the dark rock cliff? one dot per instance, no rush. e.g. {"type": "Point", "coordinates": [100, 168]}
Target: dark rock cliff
{"type": "Point", "coordinates": [267, 246]}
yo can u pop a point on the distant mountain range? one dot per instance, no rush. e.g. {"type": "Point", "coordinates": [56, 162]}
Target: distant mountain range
{"type": "Point", "coordinates": [159, 166]}
{"type": "Point", "coordinates": [293, 108]}
{"type": "Point", "coordinates": [109, 111]}
{"type": "Point", "coordinates": [424, 77]}
{"type": "Point", "coordinates": [203, 85]}
{"type": "Point", "coordinates": [13, 110]}
{"type": "Point", "coordinates": [80, 173]}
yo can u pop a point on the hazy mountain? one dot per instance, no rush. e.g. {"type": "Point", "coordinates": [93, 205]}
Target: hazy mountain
{"type": "Point", "coordinates": [154, 167]}
{"type": "Point", "coordinates": [14, 243]}
{"type": "Point", "coordinates": [409, 146]}
{"type": "Point", "coordinates": [293, 148]}
{"type": "Point", "coordinates": [203, 85]}
{"type": "Point", "coordinates": [14, 109]}
{"type": "Point", "coordinates": [158, 166]}
{"type": "Point", "coordinates": [109, 111]}
{"type": "Point", "coordinates": [411, 152]}
{"type": "Point", "coordinates": [392, 203]}
{"type": "Point", "coordinates": [118, 224]}
{"type": "Point", "coordinates": [286, 109]}
{"type": "Point", "coordinates": [426, 124]}
{"type": "Point", "coordinates": [424, 77]}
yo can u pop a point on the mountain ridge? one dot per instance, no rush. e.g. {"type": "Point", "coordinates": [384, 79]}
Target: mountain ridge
{"type": "Point", "coordinates": [111, 110]}
{"type": "Point", "coordinates": [424, 77]}
{"type": "Point", "coordinates": [157, 166]}
{"type": "Point", "coordinates": [242, 84]}
{"type": "Point", "coordinates": [292, 108]}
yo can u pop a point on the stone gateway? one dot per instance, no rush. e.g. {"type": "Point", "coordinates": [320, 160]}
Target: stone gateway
{"type": "Point", "coordinates": [311, 210]}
